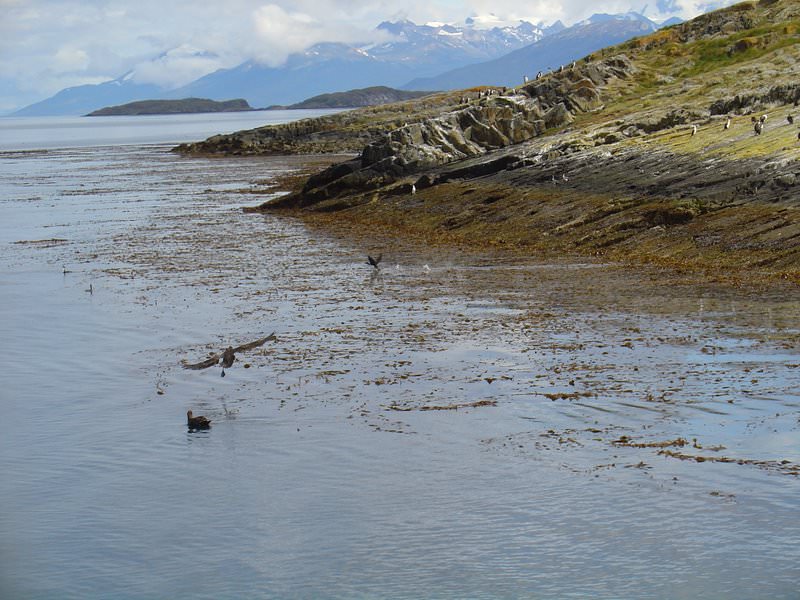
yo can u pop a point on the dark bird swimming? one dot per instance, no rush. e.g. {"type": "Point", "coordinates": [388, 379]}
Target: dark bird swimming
{"type": "Point", "coordinates": [198, 422]}
{"type": "Point", "coordinates": [374, 261]}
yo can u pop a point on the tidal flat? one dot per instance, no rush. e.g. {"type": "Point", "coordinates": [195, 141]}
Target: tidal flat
{"type": "Point", "coordinates": [456, 423]}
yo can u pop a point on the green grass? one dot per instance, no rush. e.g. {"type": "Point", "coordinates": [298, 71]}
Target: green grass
{"type": "Point", "coordinates": [713, 54]}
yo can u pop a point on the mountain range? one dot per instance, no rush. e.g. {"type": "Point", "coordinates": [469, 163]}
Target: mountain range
{"type": "Point", "coordinates": [418, 57]}
{"type": "Point", "coordinates": [568, 44]}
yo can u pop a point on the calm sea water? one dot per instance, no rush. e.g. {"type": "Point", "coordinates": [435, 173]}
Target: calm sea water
{"type": "Point", "coordinates": [29, 133]}
{"type": "Point", "coordinates": [322, 476]}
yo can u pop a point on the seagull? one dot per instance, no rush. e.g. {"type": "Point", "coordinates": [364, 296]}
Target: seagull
{"type": "Point", "coordinates": [198, 422]}
{"type": "Point", "coordinates": [694, 130]}
{"type": "Point", "coordinates": [413, 189]}
{"type": "Point", "coordinates": [728, 123]}
{"type": "Point", "coordinates": [426, 268]}
{"type": "Point", "coordinates": [374, 261]}
{"type": "Point", "coordinates": [564, 177]}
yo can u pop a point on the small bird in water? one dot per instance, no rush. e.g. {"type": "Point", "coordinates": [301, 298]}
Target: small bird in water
{"type": "Point", "coordinates": [763, 119]}
{"type": "Point", "coordinates": [374, 261]}
{"type": "Point", "coordinates": [758, 127]}
{"type": "Point", "coordinates": [199, 422]}
{"type": "Point", "coordinates": [790, 118]}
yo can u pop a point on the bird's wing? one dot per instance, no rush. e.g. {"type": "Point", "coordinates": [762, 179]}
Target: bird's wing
{"type": "Point", "coordinates": [255, 344]}
{"type": "Point", "coordinates": [204, 364]}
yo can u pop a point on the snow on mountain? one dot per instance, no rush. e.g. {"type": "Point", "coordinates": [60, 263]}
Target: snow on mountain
{"type": "Point", "coordinates": [568, 44]}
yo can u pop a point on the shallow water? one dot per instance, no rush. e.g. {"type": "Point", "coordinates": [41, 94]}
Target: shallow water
{"type": "Point", "coordinates": [321, 475]}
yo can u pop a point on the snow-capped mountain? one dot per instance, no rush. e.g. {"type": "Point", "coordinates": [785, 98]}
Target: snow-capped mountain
{"type": "Point", "coordinates": [550, 52]}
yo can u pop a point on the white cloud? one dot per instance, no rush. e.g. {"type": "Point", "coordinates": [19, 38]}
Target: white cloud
{"type": "Point", "coordinates": [177, 67]}
{"type": "Point", "coordinates": [69, 58]}
{"type": "Point", "coordinates": [280, 32]}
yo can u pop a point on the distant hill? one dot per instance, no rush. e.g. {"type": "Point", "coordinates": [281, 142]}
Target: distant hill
{"type": "Point", "coordinates": [173, 107]}
{"type": "Point", "coordinates": [550, 52]}
{"type": "Point", "coordinates": [371, 96]}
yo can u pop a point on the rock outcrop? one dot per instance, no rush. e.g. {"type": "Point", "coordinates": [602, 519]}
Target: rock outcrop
{"type": "Point", "coordinates": [497, 120]}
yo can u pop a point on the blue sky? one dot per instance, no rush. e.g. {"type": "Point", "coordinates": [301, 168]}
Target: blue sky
{"type": "Point", "coordinates": [47, 45]}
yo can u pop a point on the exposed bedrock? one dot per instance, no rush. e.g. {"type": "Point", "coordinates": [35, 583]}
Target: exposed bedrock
{"type": "Point", "coordinates": [494, 122]}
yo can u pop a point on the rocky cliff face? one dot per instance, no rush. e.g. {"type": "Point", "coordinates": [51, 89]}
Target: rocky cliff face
{"type": "Point", "coordinates": [497, 119]}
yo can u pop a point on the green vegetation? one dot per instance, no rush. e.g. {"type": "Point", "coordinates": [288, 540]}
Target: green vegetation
{"type": "Point", "coordinates": [172, 107]}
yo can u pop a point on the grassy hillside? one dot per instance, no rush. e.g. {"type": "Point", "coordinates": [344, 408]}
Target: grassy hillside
{"type": "Point", "coordinates": [638, 166]}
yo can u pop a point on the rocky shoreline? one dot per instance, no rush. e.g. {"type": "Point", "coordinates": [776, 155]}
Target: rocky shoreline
{"type": "Point", "coordinates": [614, 156]}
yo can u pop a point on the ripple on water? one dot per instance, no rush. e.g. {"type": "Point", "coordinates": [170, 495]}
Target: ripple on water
{"type": "Point", "coordinates": [310, 482]}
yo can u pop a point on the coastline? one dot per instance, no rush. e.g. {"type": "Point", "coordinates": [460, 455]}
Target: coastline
{"type": "Point", "coordinates": [540, 219]}
{"type": "Point", "coordinates": [644, 153]}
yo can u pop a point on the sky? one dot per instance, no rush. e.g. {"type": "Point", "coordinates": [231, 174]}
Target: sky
{"type": "Point", "coordinates": [48, 45]}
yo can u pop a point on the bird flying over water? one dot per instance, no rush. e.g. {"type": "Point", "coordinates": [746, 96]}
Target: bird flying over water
{"type": "Point", "coordinates": [374, 261]}
{"type": "Point", "coordinates": [227, 359]}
